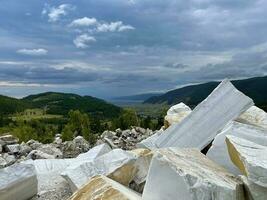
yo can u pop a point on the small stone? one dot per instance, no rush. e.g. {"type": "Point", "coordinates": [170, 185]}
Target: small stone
{"type": "Point", "coordinates": [81, 144]}
{"type": "Point", "coordinates": [34, 144]}
{"type": "Point", "coordinates": [8, 139]}
{"type": "Point", "coordinates": [50, 149]}
{"type": "Point", "coordinates": [57, 140]}
{"type": "Point", "coordinates": [12, 148]}
{"type": "Point", "coordinates": [37, 154]}
{"type": "Point", "coordinates": [6, 160]}
{"type": "Point", "coordinates": [24, 149]}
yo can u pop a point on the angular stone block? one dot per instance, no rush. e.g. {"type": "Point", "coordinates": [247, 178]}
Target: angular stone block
{"type": "Point", "coordinates": [187, 174]}
{"type": "Point", "coordinates": [50, 183]}
{"type": "Point", "coordinates": [104, 188]}
{"type": "Point", "coordinates": [250, 158]}
{"type": "Point", "coordinates": [117, 165]}
{"type": "Point", "coordinates": [200, 127]}
{"type": "Point", "coordinates": [254, 116]}
{"type": "Point", "coordinates": [218, 151]}
{"type": "Point", "coordinates": [18, 182]}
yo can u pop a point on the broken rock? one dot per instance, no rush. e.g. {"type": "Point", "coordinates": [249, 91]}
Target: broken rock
{"type": "Point", "coordinates": [117, 165]}
{"type": "Point", "coordinates": [254, 116]}
{"type": "Point", "coordinates": [50, 149]}
{"type": "Point", "coordinates": [253, 191]}
{"type": "Point", "coordinates": [6, 160]}
{"type": "Point", "coordinates": [18, 182]}
{"type": "Point", "coordinates": [200, 127]}
{"type": "Point", "coordinates": [218, 151]}
{"type": "Point", "coordinates": [8, 139]}
{"type": "Point", "coordinates": [187, 174]}
{"type": "Point", "coordinates": [250, 158]}
{"type": "Point", "coordinates": [104, 188]}
{"type": "Point", "coordinates": [13, 148]}
{"type": "Point", "coordinates": [36, 154]}
{"type": "Point", "coordinates": [176, 114]}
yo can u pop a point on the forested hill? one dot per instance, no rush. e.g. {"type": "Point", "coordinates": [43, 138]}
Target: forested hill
{"type": "Point", "coordinates": [60, 104]}
{"type": "Point", "coordinates": [256, 88]}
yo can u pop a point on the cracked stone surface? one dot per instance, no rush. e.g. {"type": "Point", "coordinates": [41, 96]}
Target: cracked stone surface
{"type": "Point", "coordinates": [250, 158]}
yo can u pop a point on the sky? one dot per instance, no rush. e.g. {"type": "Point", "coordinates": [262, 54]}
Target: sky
{"type": "Point", "coordinates": [108, 48]}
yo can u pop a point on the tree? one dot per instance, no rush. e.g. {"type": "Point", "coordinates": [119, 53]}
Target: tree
{"type": "Point", "coordinates": [78, 124]}
{"type": "Point", "coordinates": [127, 119]}
{"type": "Point", "coordinates": [147, 123]}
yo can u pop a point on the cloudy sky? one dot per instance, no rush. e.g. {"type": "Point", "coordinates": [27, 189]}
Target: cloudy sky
{"type": "Point", "coordinates": [109, 48]}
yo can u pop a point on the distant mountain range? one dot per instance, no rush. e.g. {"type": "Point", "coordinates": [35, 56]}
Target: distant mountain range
{"type": "Point", "coordinates": [137, 97]}
{"type": "Point", "coordinates": [255, 88]}
{"type": "Point", "coordinates": [60, 104]}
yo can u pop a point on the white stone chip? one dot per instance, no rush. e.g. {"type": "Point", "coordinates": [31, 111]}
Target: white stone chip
{"type": "Point", "coordinates": [187, 174]}
{"type": "Point", "coordinates": [200, 127]}
{"type": "Point", "coordinates": [250, 158]}
{"type": "Point", "coordinates": [254, 116]}
{"type": "Point", "coordinates": [218, 151]}
{"type": "Point", "coordinates": [18, 182]}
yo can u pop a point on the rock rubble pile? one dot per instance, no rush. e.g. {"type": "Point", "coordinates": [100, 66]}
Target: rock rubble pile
{"type": "Point", "coordinates": [216, 151]}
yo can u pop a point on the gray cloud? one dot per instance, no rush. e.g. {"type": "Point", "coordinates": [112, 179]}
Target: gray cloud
{"type": "Point", "coordinates": [173, 43]}
{"type": "Point", "coordinates": [29, 73]}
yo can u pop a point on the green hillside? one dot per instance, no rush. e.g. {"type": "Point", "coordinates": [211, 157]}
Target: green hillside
{"type": "Point", "coordinates": [9, 105]}
{"type": "Point", "coordinates": [256, 88]}
{"type": "Point", "coordinates": [59, 104]}
{"type": "Point", "coordinates": [62, 103]}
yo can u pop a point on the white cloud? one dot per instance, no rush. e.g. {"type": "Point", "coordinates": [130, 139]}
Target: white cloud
{"type": "Point", "coordinates": [33, 52]}
{"type": "Point", "coordinates": [83, 40]}
{"type": "Point", "coordinates": [85, 21]}
{"type": "Point", "coordinates": [54, 13]}
{"type": "Point", "coordinates": [114, 26]}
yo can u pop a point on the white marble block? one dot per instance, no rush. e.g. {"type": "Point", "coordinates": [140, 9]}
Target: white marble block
{"type": "Point", "coordinates": [250, 158]}
{"type": "Point", "coordinates": [186, 174]}
{"type": "Point", "coordinates": [254, 116]}
{"type": "Point", "coordinates": [218, 151]}
{"type": "Point", "coordinates": [200, 127]}
{"type": "Point", "coordinates": [18, 182]}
